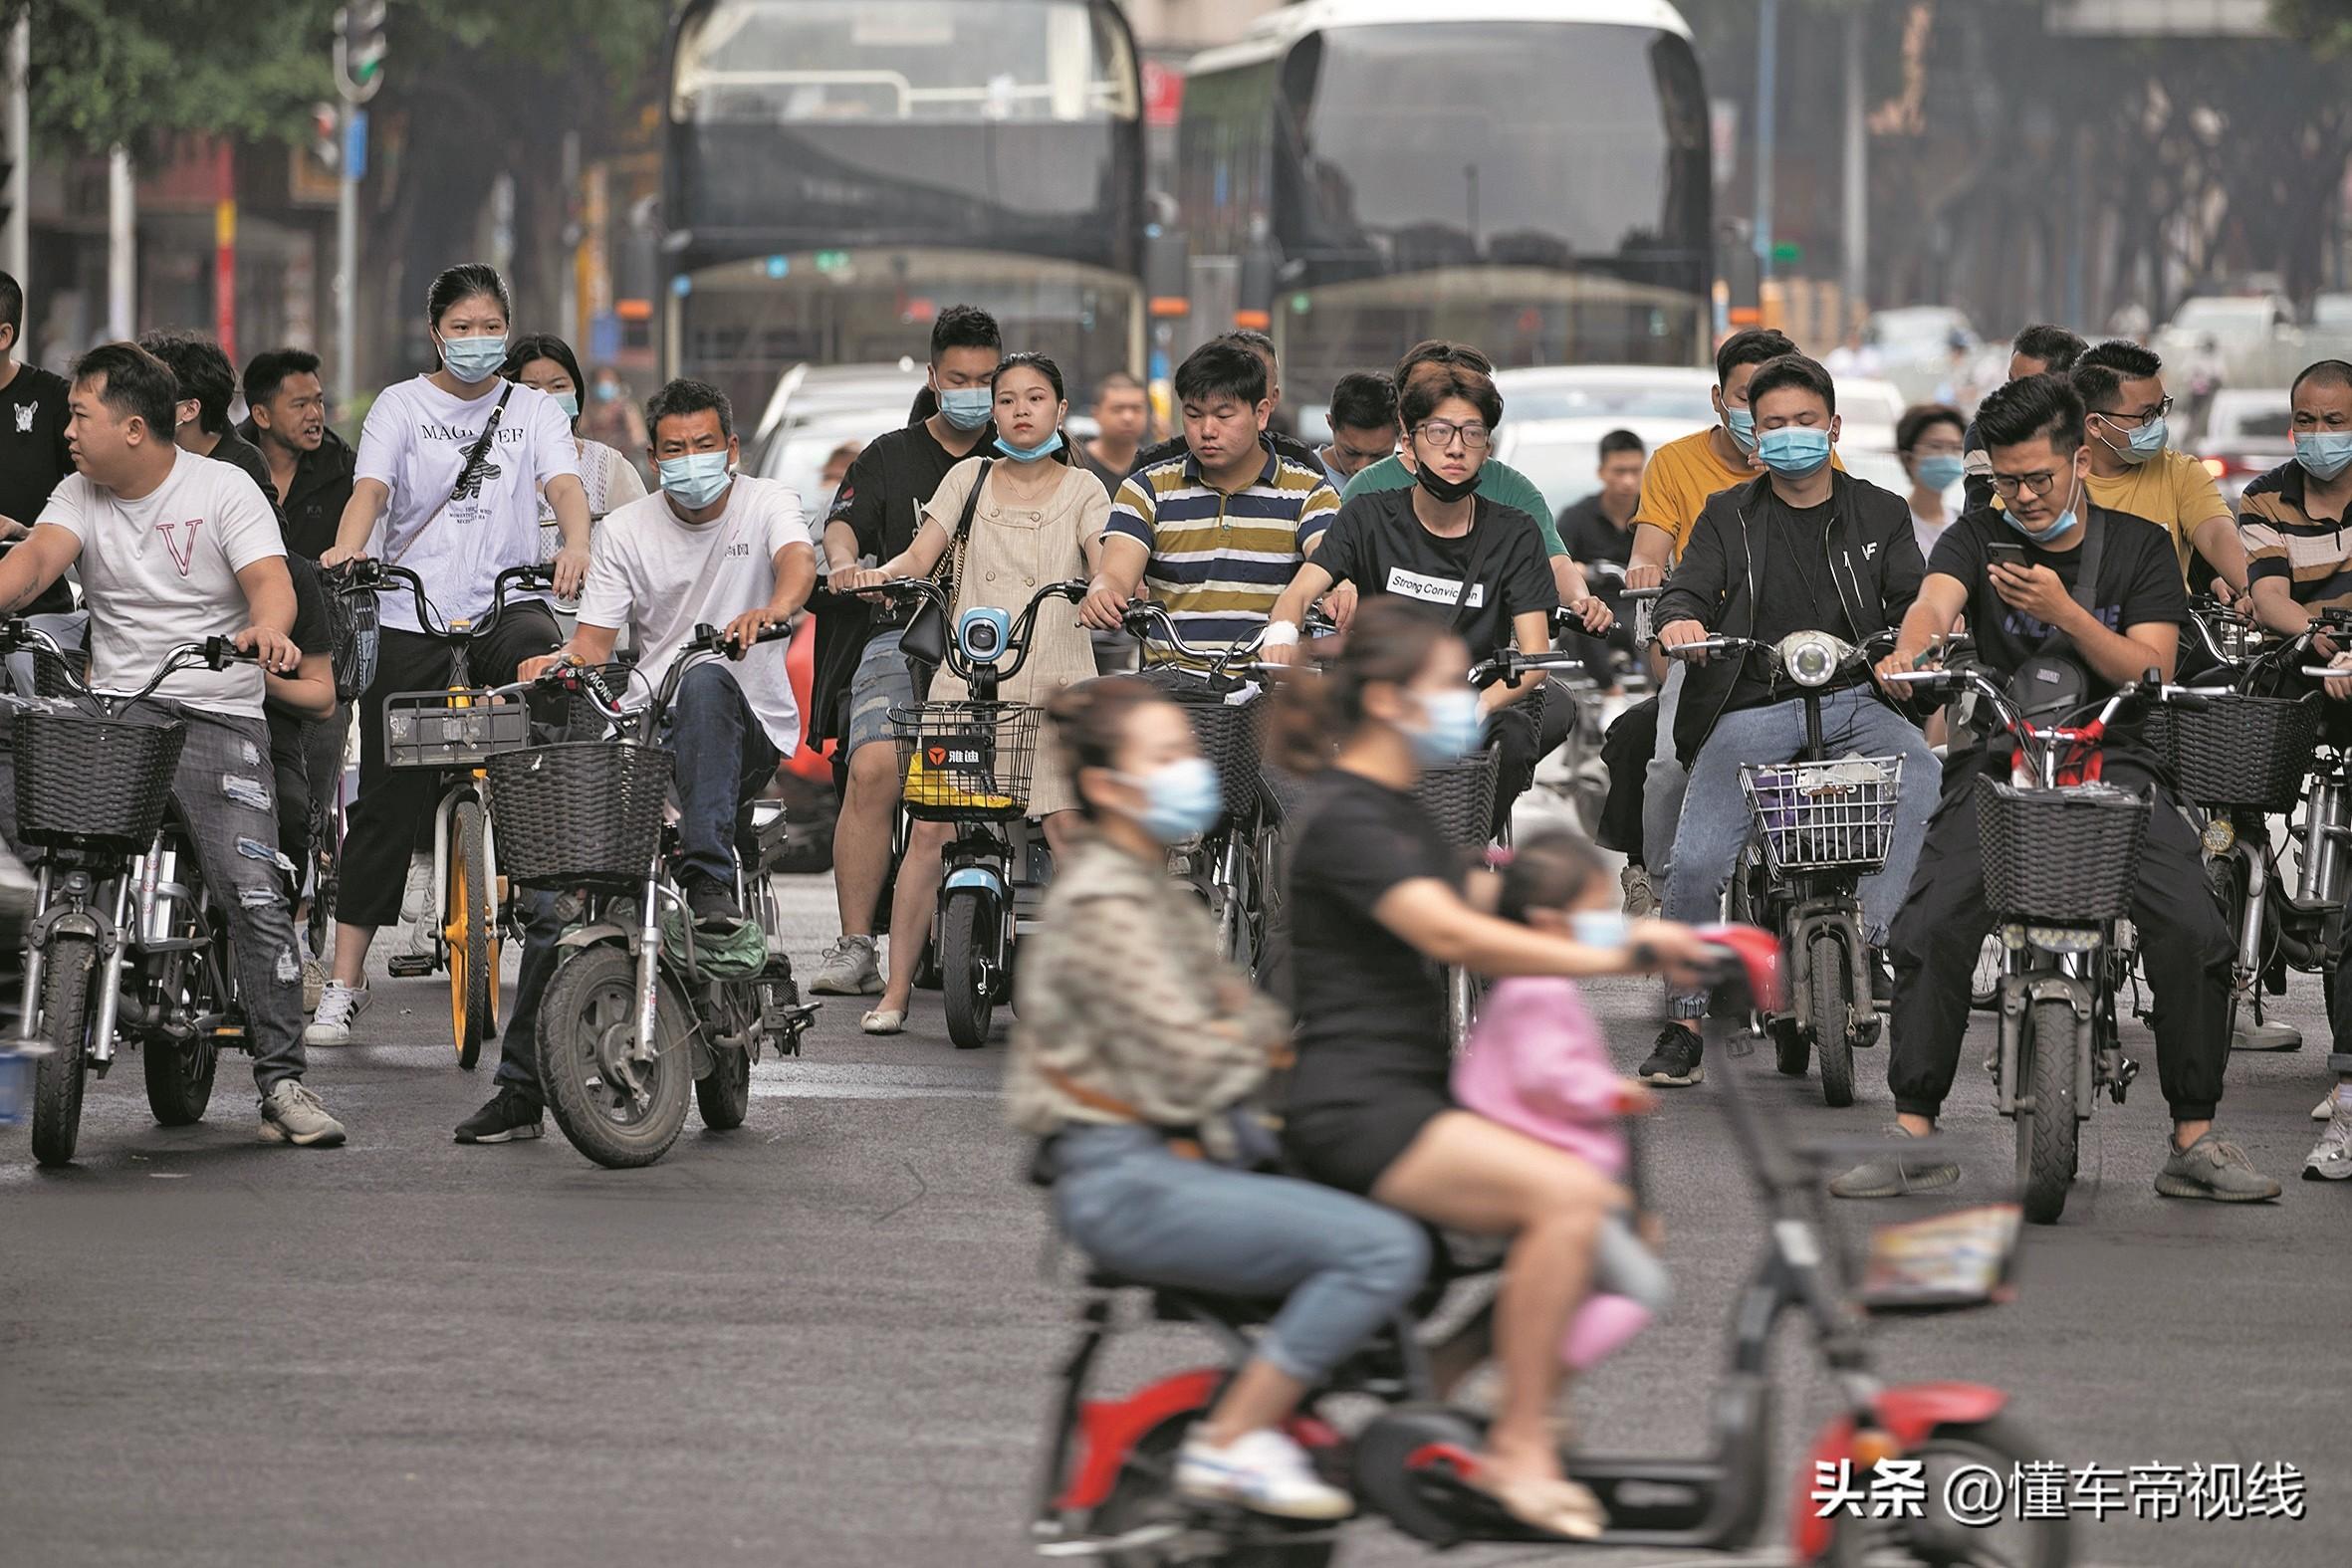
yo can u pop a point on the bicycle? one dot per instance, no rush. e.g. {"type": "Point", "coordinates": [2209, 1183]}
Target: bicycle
{"type": "Point", "coordinates": [640, 1004]}
{"type": "Point", "coordinates": [118, 894]}
{"type": "Point", "coordinates": [454, 732]}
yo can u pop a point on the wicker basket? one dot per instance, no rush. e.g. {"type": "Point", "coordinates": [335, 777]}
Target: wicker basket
{"type": "Point", "coordinates": [580, 812]}
{"type": "Point", "coordinates": [2237, 751]}
{"type": "Point", "coordinates": [1460, 798]}
{"type": "Point", "coordinates": [2061, 856]}
{"type": "Point", "coordinates": [80, 778]}
{"type": "Point", "coordinates": [963, 759]}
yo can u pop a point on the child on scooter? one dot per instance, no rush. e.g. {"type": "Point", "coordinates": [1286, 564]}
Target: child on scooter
{"type": "Point", "coordinates": [1539, 1063]}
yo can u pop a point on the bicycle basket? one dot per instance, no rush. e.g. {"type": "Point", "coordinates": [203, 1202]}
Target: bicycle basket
{"type": "Point", "coordinates": [1460, 798]}
{"type": "Point", "coordinates": [1944, 1263]}
{"type": "Point", "coordinates": [2237, 750]}
{"type": "Point", "coordinates": [81, 778]}
{"type": "Point", "coordinates": [1814, 815]}
{"type": "Point", "coordinates": [1226, 732]}
{"type": "Point", "coordinates": [965, 759]}
{"type": "Point", "coordinates": [579, 813]}
{"type": "Point", "coordinates": [2060, 854]}
{"type": "Point", "coordinates": [446, 729]}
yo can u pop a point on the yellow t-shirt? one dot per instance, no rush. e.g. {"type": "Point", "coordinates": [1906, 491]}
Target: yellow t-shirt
{"type": "Point", "coordinates": [1682, 477]}
{"type": "Point", "coordinates": [2172, 490]}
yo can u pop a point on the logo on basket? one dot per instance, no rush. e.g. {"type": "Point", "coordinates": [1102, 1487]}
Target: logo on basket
{"type": "Point", "coordinates": [935, 754]}
{"type": "Point", "coordinates": [182, 547]}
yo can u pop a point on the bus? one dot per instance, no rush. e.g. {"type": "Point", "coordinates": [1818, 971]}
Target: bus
{"type": "Point", "coordinates": [1528, 175]}
{"type": "Point", "coordinates": [836, 172]}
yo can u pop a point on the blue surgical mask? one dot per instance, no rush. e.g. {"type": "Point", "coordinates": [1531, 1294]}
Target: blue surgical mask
{"type": "Point", "coordinates": [1030, 454]}
{"type": "Point", "coordinates": [967, 407]}
{"type": "Point", "coordinates": [1741, 425]}
{"type": "Point", "coordinates": [1449, 727]}
{"type": "Point", "coordinates": [1940, 470]}
{"type": "Point", "coordinates": [569, 402]}
{"type": "Point", "coordinates": [1794, 451]}
{"type": "Point", "coordinates": [473, 360]}
{"type": "Point", "coordinates": [2059, 527]}
{"type": "Point", "coordinates": [2141, 443]}
{"type": "Point", "coordinates": [1600, 928]}
{"type": "Point", "coordinates": [695, 480]}
{"type": "Point", "coordinates": [2323, 453]}
{"type": "Point", "coordinates": [1181, 799]}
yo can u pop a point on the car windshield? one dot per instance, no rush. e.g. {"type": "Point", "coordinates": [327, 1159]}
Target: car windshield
{"type": "Point", "coordinates": [1569, 398]}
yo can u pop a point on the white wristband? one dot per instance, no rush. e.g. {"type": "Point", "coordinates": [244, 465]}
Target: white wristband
{"type": "Point", "coordinates": [1280, 634]}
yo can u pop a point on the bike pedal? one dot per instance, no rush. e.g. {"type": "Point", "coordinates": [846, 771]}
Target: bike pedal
{"type": "Point", "coordinates": [409, 966]}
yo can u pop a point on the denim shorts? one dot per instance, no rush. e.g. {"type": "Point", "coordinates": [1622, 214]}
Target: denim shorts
{"type": "Point", "coordinates": [883, 682]}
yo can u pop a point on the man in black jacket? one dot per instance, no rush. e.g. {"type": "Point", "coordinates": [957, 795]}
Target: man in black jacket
{"type": "Point", "coordinates": [309, 465]}
{"type": "Point", "coordinates": [1801, 548]}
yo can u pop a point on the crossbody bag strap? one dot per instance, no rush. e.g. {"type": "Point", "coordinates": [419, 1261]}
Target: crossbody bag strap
{"type": "Point", "coordinates": [2086, 579]}
{"type": "Point", "coordinates": [465, 472]}
{"type": "Point", "coordinates": [952, 576]}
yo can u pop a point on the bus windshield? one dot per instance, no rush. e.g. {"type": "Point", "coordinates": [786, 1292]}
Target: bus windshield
{"type": "Point", "coordinates": [939, 62]}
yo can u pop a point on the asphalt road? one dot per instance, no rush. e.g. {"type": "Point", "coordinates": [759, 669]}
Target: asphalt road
{"type": "Point", "coordinates": [828, 1337]}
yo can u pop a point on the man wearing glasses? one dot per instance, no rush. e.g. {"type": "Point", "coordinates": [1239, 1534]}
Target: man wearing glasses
{"type": "Point", "coordinates": [2134, 471]}
{"type": "Point", "coordinates": [2016, 575]}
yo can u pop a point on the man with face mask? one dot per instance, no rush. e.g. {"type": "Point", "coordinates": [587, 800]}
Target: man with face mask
{"type": "Point", "coordinates": [2109, 630]}
{"type": "Point", "coordinates": [2133, 469]}
{"type": "Point", "coordinates": [873, 517]}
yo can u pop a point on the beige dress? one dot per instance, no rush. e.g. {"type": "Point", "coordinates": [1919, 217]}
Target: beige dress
{"type": "Point", "coordinates": [1014, 551]}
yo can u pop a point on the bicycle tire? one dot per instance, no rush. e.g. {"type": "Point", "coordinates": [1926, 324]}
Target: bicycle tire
{"type": "Point", "coordinates": [471, 930]}
{"type": "Point", "coordinates": [592, 991]}
{"type": "Point", "coordinates": [2047, 1134]}
{"type": "Point", "coordinates": [59, 1077]}
{"type": "Point", "coordinates": [1833, 1020]}
{"type": "Point", "coordinates": [964, 988]}
{"type": "Point", "coordinates": [724, 1094]}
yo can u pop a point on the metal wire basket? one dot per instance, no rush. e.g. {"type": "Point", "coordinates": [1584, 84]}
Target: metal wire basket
{"type": "Point", "coordinates": [1815, 815]}
{"type": "Point", "coordinates": [1460, 798]}
{"type": "Point", "coordinates": [580, 812]}
{"type": "Point", "coordinates": [2237, 751]}
{"type": "Point", "coordinates": [80, 778]}
{"type": "Point", "coordinates": [2061, 856]}
{"type": "Point", "coordinates": [965, 759]}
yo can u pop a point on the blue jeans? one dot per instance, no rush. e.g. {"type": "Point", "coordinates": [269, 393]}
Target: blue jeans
{"type": "Point", "coordinates": [1343, 1264]}
{"type": "Point", "coordinates": [723, 757]}
{"type": "Point", "coordinates": [1715, 814]}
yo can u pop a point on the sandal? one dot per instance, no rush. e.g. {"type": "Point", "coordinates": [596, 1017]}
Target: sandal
{"type": "Point", "coordinates": [1557, 1507]}
{"type": "Point", "coordinates": [884, 1020]}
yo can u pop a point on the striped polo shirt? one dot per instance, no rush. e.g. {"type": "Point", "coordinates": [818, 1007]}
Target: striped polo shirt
{"type": "Point", "coordinates": [1219, 562]}
{"type": "Point", "coordinates": [2282, 539]}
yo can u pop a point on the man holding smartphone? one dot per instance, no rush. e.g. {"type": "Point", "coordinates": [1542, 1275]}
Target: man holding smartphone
{"type": "Point", "coordinates": [2091, 599]}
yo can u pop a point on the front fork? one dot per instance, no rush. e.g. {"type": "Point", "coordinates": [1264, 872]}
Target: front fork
{"type": "Point", "coordinates": [642, 1049]}
{"type": "Point", "coordinates": [2099, 1058]}
{"type": "Point", "coordinates": [1840, 914]}
{"type": "Point", "coordinates": [110, 944]}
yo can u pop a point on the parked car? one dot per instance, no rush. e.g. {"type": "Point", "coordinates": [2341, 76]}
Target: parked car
{"type": "Point", "coordinates": [807, 391]}
{"type": "Point", "coordinates": [2248, 432]}
{"type": "Point", "coordinates": [1917, 335]}
{"type": "Point", "coordinates": [1622, 392]}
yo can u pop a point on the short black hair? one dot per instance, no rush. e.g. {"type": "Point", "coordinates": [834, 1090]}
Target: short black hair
{"type": "Point", "coordinates": [1218, 369]}
{"type": "Point", "coordinates": [1794, 370]}
{"type": "Point", "coordinates": [2030, 406]}
{"type": "Point", "coordinates": [139, 385]}
{"type": "Point", "coordinates": [203, 372]}
{"type": "Point", "coordinates": [543, 346]}
{"type": "Point", "coordinates": [1617, 441]}
{"type": "Point", "coordinates": [2124, 357]}
{"type": "Point", "coordinates": [2327, 372]}
{"type": "Point", "coordinates": [266, 371]}
{"type": "Point", "coordinates": [1251, 338]}
{"type": "Point", "coordinates": [2055, 347]}
{"type": "Point", "coordinates": [2100, 386]}
{"type": "Point", "coordinates": [1363, 400]}
{"type": "Point", "coordinates": [688, 397]}
{"type": "Point", "coordinates": [1919, 417]}
{"type": "Point", "coordinates": [965, 327]}
{"type": "Point", "coordinates": [1115, 382]}
{"type": "Point", "coordinates": [12, 305]}
{"type": "Point", "coordinates": [1749, 346]}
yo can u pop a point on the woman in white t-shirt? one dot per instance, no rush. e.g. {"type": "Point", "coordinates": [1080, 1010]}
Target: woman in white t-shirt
{"type": "Point", "coordinates": [433, 496]}
{"type": "Point", "coordinates": [1928, 440]}
{"type": "Point", "coordinates": [546, 363]}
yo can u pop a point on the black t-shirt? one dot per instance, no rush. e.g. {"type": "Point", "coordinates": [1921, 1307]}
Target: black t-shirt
{"type": "Point", "coordinates": [1590, 535]}
{"type": "Point", "coordinates": [1799, 590]}
{"type": "Point", "coordinates": [310, 634]}
{"type": "Point", "coordinates": [234, 450]}
{"type": "Point", "coordinates": [33, 458]}
{"type": "Point", "coordinates": [882, 496]}
{"type": "Point", "coordinates": [1371, 1010]}
{"type": "Point", "coordinates": [2138, 583]}
{"type": "Point", "coordinates": [1380, 545]}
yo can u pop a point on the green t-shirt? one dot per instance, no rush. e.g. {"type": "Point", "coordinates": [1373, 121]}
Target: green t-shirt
{"type": "Point", "coordinates": [1498, 482]}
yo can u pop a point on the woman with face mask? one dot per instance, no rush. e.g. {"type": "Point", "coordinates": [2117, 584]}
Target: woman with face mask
{"type": "Point", "coordinates": [1136, 1040]}
{"type": "Point", "coordinates": [451, 468]}
{"type": "Point", "coordinates": [1377, 898]}
{"type": "Point", "coordinates": [544, 364]}
{"type": "Point", "coordinates": [1928, 441]}
{"type": "Point", "coordinates": [1037, 518]}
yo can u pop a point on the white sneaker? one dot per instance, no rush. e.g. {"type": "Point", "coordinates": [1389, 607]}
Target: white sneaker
{"type": "Point", "coordinates": [2330, 1159]}
{"type": "Point", "coordinates": [1264, 1471]}
{"type": "Point", "coordinates": [293, 1114]}
{"type": "Point", "coordinates": [337, 1005]}
{"type": "Point", "coordinates": [2326, 1107]}
{"type": "Point", "coordinates": [416, 898]}
{"type": "Point", "coordinates": [847, 970]}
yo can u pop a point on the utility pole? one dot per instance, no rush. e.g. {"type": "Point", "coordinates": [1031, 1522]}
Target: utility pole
{"type": "Point", "coordinates": [1857, 173]}
{"type": "Point", "coordinates": [359, 76]}
{"type": "Point", "coordinates": [1768, 72]}
{"type": "Point", "coordinates": [15, 245]}
{"type": "Point", "coordinates": [122, 237]}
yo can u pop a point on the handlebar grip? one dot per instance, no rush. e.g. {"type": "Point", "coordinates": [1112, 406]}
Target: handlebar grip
{"type": "Point", "coordinates": [219, 652]}
{"type": "Point", "coordinates": [2321, 672]}
{"type": "Point", "coordinates": [1638, 595]}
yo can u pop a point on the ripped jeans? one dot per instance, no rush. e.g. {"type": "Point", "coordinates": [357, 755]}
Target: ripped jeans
{"type": "Point", "coordinates": [224, 793]}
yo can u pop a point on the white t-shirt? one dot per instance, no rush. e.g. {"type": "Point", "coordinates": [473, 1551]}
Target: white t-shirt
{"type": "Point", "coordinates": [414, 443]}
{"type": "Point", "coordinates": [162, 571]}
{"type": "Point", "coordinates": [645, 566]}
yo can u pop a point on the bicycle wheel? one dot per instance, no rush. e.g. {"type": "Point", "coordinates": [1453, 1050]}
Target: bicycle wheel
{"type": "Point", "coordinates": [967, 953]}
{"type": "Point", "coordinates": [2047, 1134]}
{"type": "Point", "coordinates": [1933, 1535]}
{"type": "Point", "coordinates": [724, 1094]}
{"type": "Point", "coordinates": [1832, 1020]}
{"type": "Point", "coordinates": [470, 924]}
{"type": "Point", "coordinates": [587, 1025]}
{"type": "Point", "coordinates": [58, 1078]}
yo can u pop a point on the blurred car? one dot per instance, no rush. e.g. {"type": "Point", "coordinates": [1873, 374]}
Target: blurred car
{"type": "Point", "coordinates": [2248, 432]}
{"type": "Point", "coordinates": [795, 453]}
{"type": "Point", "coordinates": [1622, 392]}
{"type": "Point", "coordinates": [2332, 311]}
{"type": "Point", "coordinates": [1917, 335]}
{"type": "Point", "coordinates": [807, 391]}
{"type": "Point", "coordinates": [2234, 323]}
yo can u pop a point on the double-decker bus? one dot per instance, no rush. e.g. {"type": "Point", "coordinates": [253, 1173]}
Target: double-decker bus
{"type": "Point", "coordinates": [1528, 175]}
{"type": "Point", "coordinates": [838, 171]}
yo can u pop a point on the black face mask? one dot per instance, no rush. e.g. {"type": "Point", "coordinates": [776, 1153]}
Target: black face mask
{"type": "Point", "coordinates": [1441, 488]}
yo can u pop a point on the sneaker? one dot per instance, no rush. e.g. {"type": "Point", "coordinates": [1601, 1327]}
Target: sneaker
{"type": "Point", "coordinates": [293, 1114]}
{"type": "Point", "coordinates": [1892, 1176]}
{"type": "Point", "coordinates": [511, 1115]}
{"type": "Point", "coordinates": [2326, 1108]}
{"type": "Point", "coordinates": [1264, 1471]}
{"type": "Point", "coordinates": [339, 1003]}
{"type": "Point", "coordinates": [847, 970]}
{"type": "Point", "coordinates": [314, 983]}
{"type": "Point", "coordinates": [2214, 1169]}
{"type": "Point", "coordinates": [416, 898]}
{"type": "Point", "coordinates": [1675, 1059]}
{"type": "Point", "coordinates": [1641, 899]}
{"type": "Point", "coordinates": [713, 902]}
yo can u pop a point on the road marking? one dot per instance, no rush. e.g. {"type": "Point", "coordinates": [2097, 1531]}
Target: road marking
{"type": "Point", "coordinates": [806, 1081]}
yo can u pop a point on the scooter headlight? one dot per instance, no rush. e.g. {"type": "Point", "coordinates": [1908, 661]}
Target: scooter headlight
{"type": "Point", "coordinates": [2066, 938]}
{"type": "Point", "coordinates": [1812, 658]}
{"type": "Point", "coordinates": [982, 634]}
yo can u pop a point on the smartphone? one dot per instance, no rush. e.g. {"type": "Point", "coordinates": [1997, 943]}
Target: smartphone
{"type": "Point", "coordinates": [2001, 553]}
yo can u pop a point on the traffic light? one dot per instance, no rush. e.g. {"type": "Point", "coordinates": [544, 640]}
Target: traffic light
{"type": "Point", "coordinates": [360, 49]}
{"type": "Point", "coordinates": [326, 136]}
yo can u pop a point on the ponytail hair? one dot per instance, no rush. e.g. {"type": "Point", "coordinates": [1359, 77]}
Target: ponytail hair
{"type": "Point", "coordinates": [1389, 643]}
{"type": "Point", "coordinates": [1090, 721]}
